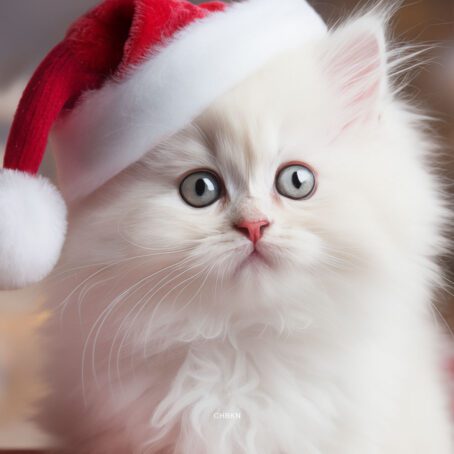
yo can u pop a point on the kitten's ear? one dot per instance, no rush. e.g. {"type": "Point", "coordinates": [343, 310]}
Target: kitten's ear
{"type": "Point", "coordinates": [355, 62]}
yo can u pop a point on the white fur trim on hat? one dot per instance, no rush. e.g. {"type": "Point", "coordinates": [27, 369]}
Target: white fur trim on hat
{"type": "Point", "coordinates": [115, 126]}
{"type": "Point", "coordinates": [32, 228]}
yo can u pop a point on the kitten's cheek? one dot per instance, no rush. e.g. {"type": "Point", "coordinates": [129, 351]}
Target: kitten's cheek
{"type": "Point", "coordinates": [306, 254]}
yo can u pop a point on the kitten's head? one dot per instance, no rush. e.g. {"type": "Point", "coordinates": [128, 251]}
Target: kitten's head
{"type": "Point", "coordinates": [307, 176]}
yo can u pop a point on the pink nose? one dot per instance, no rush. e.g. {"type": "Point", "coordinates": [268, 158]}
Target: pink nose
{"type": "Point", "coordinates": [252, 229]}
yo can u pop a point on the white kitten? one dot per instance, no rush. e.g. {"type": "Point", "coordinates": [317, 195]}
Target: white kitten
{"type": "Point", "coordinates": [190, 330]}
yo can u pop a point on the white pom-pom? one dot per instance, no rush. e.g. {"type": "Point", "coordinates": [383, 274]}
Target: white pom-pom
{"type": "Point", "coordinates": [32, 228]}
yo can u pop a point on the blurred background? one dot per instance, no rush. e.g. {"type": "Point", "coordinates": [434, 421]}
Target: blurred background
{"type": "Point", "coordinates": [29, 28]}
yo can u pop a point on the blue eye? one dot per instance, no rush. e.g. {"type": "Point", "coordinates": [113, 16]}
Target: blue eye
{"type": "Point", "coordinates": [200, 189]}
{"type": "Point", "coordinates": [296, 182]}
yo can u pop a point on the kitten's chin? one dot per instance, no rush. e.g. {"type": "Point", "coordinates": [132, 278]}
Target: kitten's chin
{"type": "Point", "coordinates": [254, 261]}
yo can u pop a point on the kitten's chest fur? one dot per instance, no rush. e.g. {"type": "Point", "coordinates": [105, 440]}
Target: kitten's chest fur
{"type": "Point", "coordinates": [285, 393]}
{"type": "Point", "coordinates": [254, 389]}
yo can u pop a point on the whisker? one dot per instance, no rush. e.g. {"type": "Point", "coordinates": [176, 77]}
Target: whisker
{"type": "Point", "coordinates": [145, 337]}
{"type": "Point", "coordinates": [155, 309]}
{"type": "Point", "coordinates": [103, 317]}
{"type": "Point", "coordinates": [173, 268]}
{"type": "Point", "coordinates": [144, 301]}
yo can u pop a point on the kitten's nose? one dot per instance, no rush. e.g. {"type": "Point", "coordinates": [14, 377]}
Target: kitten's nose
{"type": "Point", "coordinates": [252, 229]}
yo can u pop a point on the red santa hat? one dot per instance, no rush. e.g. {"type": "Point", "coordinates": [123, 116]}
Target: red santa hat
{"type": "Point", "coordinates": [128, 74]}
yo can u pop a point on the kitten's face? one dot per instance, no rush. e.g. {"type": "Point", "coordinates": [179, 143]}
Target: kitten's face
{"type": "Point", "coordinates": [316, 117]}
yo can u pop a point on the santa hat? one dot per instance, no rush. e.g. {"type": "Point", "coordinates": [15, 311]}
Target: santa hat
{"type": "Point", "coordinates": [128, 74]}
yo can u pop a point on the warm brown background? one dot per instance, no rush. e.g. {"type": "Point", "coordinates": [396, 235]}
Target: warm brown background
{"type": "Point", "coordinates": [29, 27]}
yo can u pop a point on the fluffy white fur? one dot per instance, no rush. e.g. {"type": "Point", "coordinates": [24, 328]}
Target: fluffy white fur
{"type": "Point", "coordinates": [175, 84]}
{"type": "Point", "coordinates": [27, 254]}
{"type": "Point", "coordinates": [164, 341]}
